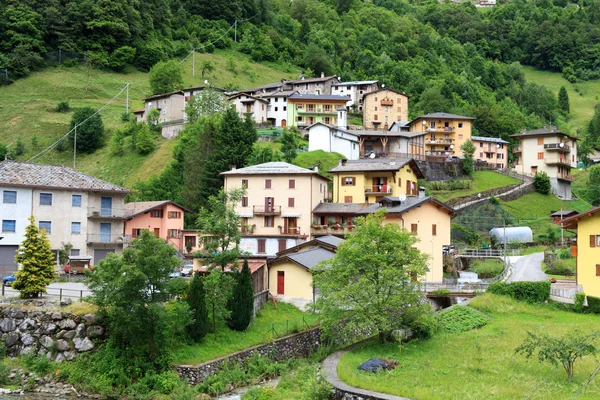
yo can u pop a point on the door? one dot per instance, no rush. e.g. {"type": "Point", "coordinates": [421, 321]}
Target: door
{"type": "Point", "coordinates": [269, 203]}
{"type": "Point", "coordinates": [280, 282]}
{"type": "Point", "coordinates": [7, 258]}
{"type": "Point", "coordinates": [283, 123]}
{"type": "Point", "coordinates": [100, 254]}
{"type": "Point", "coordinates": [105, 230]}
{"type": "Point", "coordinates": [292, 223]}
{"type": "Point", "coordinates": [157, 232]}
{"type": "Point", "coordinates": [106, 206]}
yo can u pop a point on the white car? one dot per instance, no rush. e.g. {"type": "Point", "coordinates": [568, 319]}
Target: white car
{"type": "Point", "coordinates": [187, 270]}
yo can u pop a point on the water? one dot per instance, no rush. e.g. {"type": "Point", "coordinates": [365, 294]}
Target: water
{"type": "Point", "coordinates": [467, 277]}
{"type": "Point", "coordinates": [236, 394]}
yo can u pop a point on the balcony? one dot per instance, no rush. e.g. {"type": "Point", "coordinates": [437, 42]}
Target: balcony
{"type": "Point", "coordinates": [107, 238]}
{"type": "Point", "coordinates": [566, 177]}
{"type": "Point", "coordinates": [266, 210]}
{"type": "Point", "coordinates": [557, 161]}
{"type": "Point", "coordinates": [517, 149]}
{"type": "Point", "coordinates": [387, 102]}
{"type": "Point", "coordinates": [440, 141]}
{"type": "Point", "coordinates": [379, 189]}
{"type": "Point", "coordinates": [560, 147]}
{"type": "Point", "coordinates": [106, 213]}
{"type": "Point", "coordinates": [322, 230]}
{"type": "Point", "coordinates": [440, 129]}
{"type": "Point", "coordinates": [290, 231]}
{"type": "Point", "coordinates": [315, 110]}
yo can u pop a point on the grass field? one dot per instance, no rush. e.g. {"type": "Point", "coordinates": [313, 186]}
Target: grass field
{"type": "Point", "coordinates": [27, 110]}
{"type": "Point", "coordinates": [582, 101]}
{"type": "Point", "coordinates": [270, 323]}
{"type": "Point", "coordinates": [481, 363]}
{"type": "Point", "coordinates": [482, 180]}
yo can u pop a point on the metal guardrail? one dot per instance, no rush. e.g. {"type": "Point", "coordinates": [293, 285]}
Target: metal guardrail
{"type": "Point", "coordinates": [467, 287]}
{"type": "Point", "coordinates": [488, 252]}
{"type": "Point", "coordinates": [55, 292]}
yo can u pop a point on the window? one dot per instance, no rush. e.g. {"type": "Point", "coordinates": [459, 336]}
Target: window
{"type": "Point", "coordinates": [136, 232]}
{"type": "Point", "coordinates": [291, 202]}
{"type": "Point", "coordinates": [9, 197]}
{"type": "Point", "coordinates": [540, 140]}
{"type": "Point", "coordinates": [460, 124]}
{"type": "Point", "coordinates": [327, 120]}
{"type": "Point", "coordinates": [347, 199]}
{"type": "Point", "coordinates": [460, 136]}
{"type": "Point", "coordinates": [9, 225]}
{"type": "Point", "coordinates": [413, 228]}
{"type": "Point", "coordinates": [480, 155]}
{"type": "Point", "coordinates": [245, 201]}
{"type": "Point", "coordinates": [282, 245]}
{"type": "Point", "coordinates": [375, 117]}
{"type": "Point", "coordinates": [45, 199]}
{"type": "Point", "coordinates": [174, 214]}
{"type": "Point", "coordinates": [299, 106]}
{"type": "Point", "coordinates": [284, 108]}
{"type": "Point", "coordinates": [348, 181]}
{"type": "Point", "coordinates": [597, 269]}
{"type": "Point", "coordinates": [75, 252]}
{"type": "Point", "coordinates": [327, 107]}
{"type": "Point", "coordinates": [292, 184]}
{"type": "Point", "coordinates": [541, 155]}
{"type": "Point", "coordinates": [276, 108]}
{"type": "Point", "coordinates": [267, 184]}
{"type": "Point", "coordinates": [594, 240]}
{"type": "Point", "coordinates": [262, 245]}
{"type": "Point", "coordinates": [399, 109]}
{"type": "Point", "coordinates": [299, 119]}
{"type": "Point", "coordinates": [245, 183]}
{"type": "Point", "coordinates": [75, 228]}
{"type": "Point", "coordinates": [190, 241]}
{"type": "Point", "coordinates": [156, 213]}
{"type": "Point", "coordinates": [481, 144]}
{"type": "Point", "coordinates": [434, 229]}
{"type": "Point", "coordinates": [268, 221]}
{"type": "Point", "coordinates": [172, 233]}
{"type": "Point", "coordinates": [46, 225]}
{"type": "Point", "coordinates": [76, 200]}
{"type": "Point", "coordinates": [375, 108]}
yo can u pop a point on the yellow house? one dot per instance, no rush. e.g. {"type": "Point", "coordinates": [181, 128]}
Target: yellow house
{"type": "Point", "coordinates": [587, 249]}
{"type": "Point", "coordinates": [383, 107]}
{"type": "Point", "coordinates": [368, 180]}
{"type": "Point", "coordinates": [446, 133]}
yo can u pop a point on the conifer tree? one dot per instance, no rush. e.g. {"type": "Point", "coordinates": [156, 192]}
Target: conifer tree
{"type": "Point", "coordinates": [196, 301]}
{"type": "Point", "coordinates": [37, 265]}
{"type": "Point", "coordinates": [563, 101]}
{"type": "Point", "coordinates": [241, 304]}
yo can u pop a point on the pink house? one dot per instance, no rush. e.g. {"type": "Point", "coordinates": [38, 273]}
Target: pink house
{"type": "Point", "coordinates": [163, 218]}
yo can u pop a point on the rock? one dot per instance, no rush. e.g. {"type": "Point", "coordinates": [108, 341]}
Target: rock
{"type": "Point", "coordinates": [12, 375]}
{"type": "Point", "coordinates": [18, 314]}
{"type": "Point", "coordinates": [56, 316]}
{"type": "Point", "coordinates": [7, 325]}
{"type": "Point", "coordinates": [84, 344]}
{"type": "Point", "coordinates": [66, 302]}
{"type": "Point", "coordinates": [27, 339]}
{"type": "Point", "coordinates": [28, 324]}
{"type": "Point", "coordinates": [46, 341]}
{"type": "Point", "coordinates": [62, 345]}
{"type": "Point", "coordinates": [67, 324]}
{"type": "Point", "coordinates": [89, 318]}
{"type": "Point", "coordinates": [48, 328]}
{"type": "Point", "coordinates": [11, 339]}
{"type": "Point", "coordinates": [69, 355]}
{"type": "Point", "coordinates": [60, 357]}
{"type": "Point", "coordinates": [27, 350]}
{"type": "Point", "coordinates": [95, 331]}
{"type": "Point", "coordinates": [69, 335]}
{"type": "Point", "coordinates": [61, 334]}
{"type": "Point", "coordinates": [80, 331]}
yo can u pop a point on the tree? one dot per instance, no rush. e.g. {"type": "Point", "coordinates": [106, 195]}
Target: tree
{"type": "Point", "coordinates": [241, 304]}
{"type": "Point", "coordinates": [289, 146]}
{"type": "Point", "coordinates": [317, 60]}
{"type": "Point", "coordinates": [468, 149]}
{"type": "Point", "coordinates": [205, 104]}
{"type": "Point", "coordinates": [207, 67]}
{"type": "Point", "coordinates": [165, 77]}
{"type": "Point", "coordinates": [63, 253]}
{"type": "Point", "coordinates": [541, 181]}
{"type": "Point", "coordinates": [196, 300]}
{"type": "Point", "coordinates": [234, 140]}
{"type": "Point", "coordinates": [37, 262]}
{"type": "Point", "coordinates": [593, 186]}
{"type": "Point", "coordinates": [20, 148]}
{"type": "Point", "coordinates": [144, 140]}
{"type": "Point", "coordinates": [263, 154]}
{"type": "Point", "coordinates": [90, 130]}
{"type": "Point", "coordinates": [4, 153]}
{"type": "Point", "coordinates": [370, 283]}
{"type": "Point", "coordinates": [218, 291]}
{"type": "Point", "coordinates": [563, 101]}
{"type": "Point", "coordinates": [153, 120]}
{"type": "Point", "coordinates": [559, 350]}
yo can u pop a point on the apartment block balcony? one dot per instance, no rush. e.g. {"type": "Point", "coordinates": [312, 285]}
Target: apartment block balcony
{"type": "Point", "coordinates": [316, 110]}
{"type": "Point", "coordinates": [336, 229]}
{"type": "Point", "coordinates": [440, 141]}
{"type": "Point", "coordinates": [557, 161]}
{"type": "Point", "coordinates": [266, 210]}
{"type": "Point", "coordinates": [565, 177]}
{"type": "Point", "coordinates": [106, 213]}
{"type": "Point", "coordinates": [290, 230]}
{"type": "Point", "coordinates": [440, 129]}
{"type": "Point", "coordinates": [559, 147]}
{"type": "Point", "coordinates": [379, 189]}
{"type": "Point", "coordinates": [107, 238]}
{"type": "Point", "coordinates": [387, 102]}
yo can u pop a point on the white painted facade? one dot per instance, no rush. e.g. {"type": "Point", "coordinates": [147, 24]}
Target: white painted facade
{"type": "Point", "coordinates": [244, 104]}
{"type": "Point", "coordinates": [329, 139]}
{"type": "Point", "coordinates": [356, 90]}
{"type": "Point", "coordinates": [250, 244]}
{"type": "Point", "coordinates": [18, 212]}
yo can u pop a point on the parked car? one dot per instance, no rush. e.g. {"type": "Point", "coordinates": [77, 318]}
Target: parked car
{"type": "Point", "coordinates": [175, 274]}
{"type": "Point", "coordinates": [77, 269]}
{"type": "Point", "coordinates": [187, 270]}
{"type": "Point", "coordinates": [8, 280]}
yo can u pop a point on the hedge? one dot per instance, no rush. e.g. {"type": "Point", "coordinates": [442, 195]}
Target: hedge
{"type": "Point", "coordinates": [460, 319]}
{"type": "Point", "coordinates": [532, 292]}
{"type": "Point", "coordinates": [593, 304]}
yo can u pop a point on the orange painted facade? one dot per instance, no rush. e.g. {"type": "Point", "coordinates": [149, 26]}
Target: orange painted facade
{"type": "Point", "coordinates": [165, 221]}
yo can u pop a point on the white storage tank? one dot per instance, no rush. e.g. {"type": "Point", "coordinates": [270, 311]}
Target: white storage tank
{"type": "Point", "coordinates": [517, 234]}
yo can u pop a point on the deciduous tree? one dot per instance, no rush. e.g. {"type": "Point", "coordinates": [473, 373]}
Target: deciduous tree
{"type": "Point", "coordinates": [468, 149]}
{"type": "Point", "coordinates": [593, 186]}
{"type": "Point", "coordinates": [218, 291]}
{"type": "Point", "coordinates": [289, 146]}
{"type": "Point", "coordinates": [205, 104]}
{"type": "Point", "coordinates": [90, 130]}
{"type": "Point", "coordinates": [165, 77]}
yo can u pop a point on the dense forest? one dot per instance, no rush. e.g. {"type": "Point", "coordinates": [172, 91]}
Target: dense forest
{"type": "Point", "coordinates": [447, 57]}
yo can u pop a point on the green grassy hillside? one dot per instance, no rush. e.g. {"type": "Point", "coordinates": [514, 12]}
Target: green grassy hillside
{"type": "Point", "coordinates": [27, 110]}
{"type": "Point", "coordinates": [583, 96]}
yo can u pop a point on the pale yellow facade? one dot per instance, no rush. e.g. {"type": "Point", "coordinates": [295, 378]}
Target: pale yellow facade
{"type": "Point", "coordinates": [588, 257]}
{"type": "Point", "coordinates": [359, 187]}
{"type": "Point", "coordinates": [383, 107]}
{"type": "Point", "coordinates": [444, 135]}
{"type": "Point", "coordinates": [297, 280]}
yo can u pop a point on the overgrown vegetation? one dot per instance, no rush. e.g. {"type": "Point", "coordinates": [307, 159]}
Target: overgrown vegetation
{"type": "Point", "coordinates": [541, 181]}
{"type": "Point", "coordinates": [486, 269]}
{"type": "Point", "coordinates": [460, 319]}
{"type": "Point", "coordinates": [532, 292]}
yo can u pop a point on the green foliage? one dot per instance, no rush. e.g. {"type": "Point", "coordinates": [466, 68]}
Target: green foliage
{"type": "Point", "coordinates": [177, 287]}
{"type": "Point", "coordinates": [468, 149]}
{"type": "Point", "coordinates": [559, 350]}
{"type": "Point", "coordinates": [593, 304]}
{"type": "Point", "coordinates": [144, 140]}
{"type": "Point", "coordinates": [289, 145]}
{"type": "Point", "coordinates": [217, 286]}
{"type": "Point", "coordinates": [36, 260]}
{"type": "Point", "coordinates": [207, 67]}
{"type": "Point", "coordinates": [541, 181]}
{"type": "Point", "coordinates": [165, 77]}
{"type": "Point", "coordinates": [441, 292]}
{"type": "Point", "coordinates": [121, 57]}
{"type": "Point", "coordinates": [455, 184]}
{"type": "Point", "coordinates": [241, 304]}
{"type": "Point", "coordinates": [263, 154]}
{"type": "Point", "coordinates": [4, 153]}
{"type": "Point", "coordinates": [563, 101]}
{"type": "Point", "coordinates": [579, 302]}
{"type": "Point", "coordinates": [197, 303]}
{"type": "Point", "coordinates": [368, 285]}
{"type": "Point", "coordinates": [564, 254]}
{"type": "Point", "coordinates": [20, 147]}
{"type": "Point", "coordinates": [316, 59]}
{"type": "Point", "coordinates": [62, 106]}
{"type": "Point", "coordinates": [153, 120]}
{"type": "Point", "coordinates": [593, 185]}
{"type": "Point", "coordinates": [64, 252]}
{"type": "Point", "coordinates": [205, 104]}
{"type": "Point", "coordinates": [487, 268]}
{"type": "Point", "coordinates": [90, 130]}
{"type": "Point", "coordinates": [38, 364]}
{"type": "Point", "coordinates": [532, 292]}
{"type": "Point", "coordinates": [460, 319]}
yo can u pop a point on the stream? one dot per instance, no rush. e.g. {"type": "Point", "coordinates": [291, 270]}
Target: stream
{"type": "Point", "coordinates": [236, 394]}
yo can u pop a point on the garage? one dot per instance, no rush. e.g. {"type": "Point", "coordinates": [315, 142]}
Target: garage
{"type": "Point", "coordinates": [7, 258]}
{"type": "Point", "coordinates": [100, 254]}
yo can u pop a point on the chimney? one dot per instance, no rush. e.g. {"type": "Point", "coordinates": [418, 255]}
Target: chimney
{"type": "Point", "coordinates": [342, 117]}
{"type": "Point", "coordinates": [316, 168]}
{"type": "Point", "coordinates": [421, 192]}
{"type": "Point", "coordinates": [233, 168]}
{"type": "Point", "coordinates": [343, 162]}
{"type": "Point", "coordinates": [322, 74]}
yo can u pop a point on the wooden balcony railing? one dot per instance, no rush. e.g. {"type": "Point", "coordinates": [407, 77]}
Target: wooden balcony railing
{"type": "Point", "coordinates": [266, 210]}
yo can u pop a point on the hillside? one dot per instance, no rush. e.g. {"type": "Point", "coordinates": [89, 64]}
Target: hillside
{"type": "Point", "coordinates": [27, 110]}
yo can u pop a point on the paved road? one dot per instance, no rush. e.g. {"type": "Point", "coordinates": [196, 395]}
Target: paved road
{"type": "Point", "coordinates": [72, 290]}
{"type": "Point", "coordinates": [528, 268]}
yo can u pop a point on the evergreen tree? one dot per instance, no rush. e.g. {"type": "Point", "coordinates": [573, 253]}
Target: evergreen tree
{"type": "Point", "coordinates": [20, 148]}
{"type": "Point", "coordinates": [234, 141]}
{"type": "Point", "coordinates": [90, 134]}
{"type": "Point", "coordinates": [241, 304]}
{"type": "Point", "coordinates": [288, 146]}
{"type": "Point", "coordinates": [196, 300]}
{"type": "Point", "coordinates": [563, 101]}
{"type": "Point", "coordinates": [541, 181]}
{"type": "Point", "coordinates": [37, 264]}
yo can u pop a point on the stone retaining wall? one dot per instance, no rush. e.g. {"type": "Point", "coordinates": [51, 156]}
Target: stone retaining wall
{"type": "Point", "coordinates": [506, 193]}
{"type": "Point", "coordinates": [59, 336]}
{"type": "Point", "coordinates": [297, 345]}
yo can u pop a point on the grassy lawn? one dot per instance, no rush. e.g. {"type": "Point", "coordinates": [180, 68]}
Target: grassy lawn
{"type": "Point", "coordinates": [482, 180]}
{"type": "Point", "coordinates": [481, 363]}
{"type": "Point", "coordinates": [324, 160]}
{"type": "Point", "coordinates": [285, 319]}
{"type": "Point", "coordinates": [582, 102]}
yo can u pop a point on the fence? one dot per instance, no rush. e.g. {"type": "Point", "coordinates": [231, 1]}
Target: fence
{"type": "Point", "coordinates": [467, 287]}
{"type": "Point", "coordinates": [54, 292]}
{"type": "Point", "coordinates": [488, 252]}
{"type": "Point", "coordinates": [284, 329]}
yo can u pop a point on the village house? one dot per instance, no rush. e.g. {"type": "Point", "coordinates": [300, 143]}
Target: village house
{"type": "Point", "coordinates": [245, 104]}
{"type": "Point", "coordinates": [382, 107]}
{"type": "Point", "coordinates": [547, 150]}
{"type": "Point", "coordinates": [70, 206]}
{"type": "Point", "coordinates": [356, 90]}
{"type": "Point", "coordinates": [162, 218]}
{"type": "Point", "coordinates": [367, 181]}
{"type": "Point", "coordinates": [494, 151]}
{"type": "Point", "coordinates": [333, 140]}
{"type": "Point", "coordinates": [307, 109]}
{"type": "Point", "coordinates": [317, 86]}
{"type": "Point", "coordinates": [276, 210]}
{"type": "Point", "coordinates": [446, 133]}
{"type": "Point", "coordinates": [170, 105]}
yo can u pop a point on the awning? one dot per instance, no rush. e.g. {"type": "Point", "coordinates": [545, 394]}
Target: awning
{"type": "Point", "coordinates": [290, 215]}
{"type": "Point", "coordinates": [245, 215]}
{"type": "Point", "coordinates": [80, 258]}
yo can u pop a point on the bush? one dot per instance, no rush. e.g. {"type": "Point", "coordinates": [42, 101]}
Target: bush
{"type": "Point", "coordinates": [488, 268]}
{"type": "Point", "coordinates": [458, 184]}
{"type": "Point", "coordinates": [579, 300]}
{"type": "Point", "coordinates": [541, 181]}
{"type": "Point", "coordinates": [440, 292]}
{"type": "Point", "coordinates": [532, 292]}
{"type": "Point", "coordinates": [593, 304]}
{"type": "Point", "coordinates": [460, 319]}
{"type": "Point", "coordinates": [564, 254]}
{"type": "Point", "coordinates": [561, 271]}
{"type": "Point", "coordinates": [62, 106]}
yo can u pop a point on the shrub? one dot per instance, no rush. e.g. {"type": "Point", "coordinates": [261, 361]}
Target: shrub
{"type": "Point", "coordinates": [460, 319]}
{"type": "Point", "coordinates": [564, 254]}
{"type": "Point", "coordinates": [593, 304]}
{"type": "Point", "coordinates": [62, 106]}
{"type": "Point", "coordinates": [541, 181]}
{"type": "Point", "coordinates": [440, 292]}
{"type": "Point", "coordinates": [532, 292]}
{"type": "Point", "coordinates": [561, 271]}
{"type": "Point", "coordinates": [488, 268]}
{"type": "Point", "coordinates": [579, 300]}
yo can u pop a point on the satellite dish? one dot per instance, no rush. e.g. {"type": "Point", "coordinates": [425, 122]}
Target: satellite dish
{"type": "Point", "coordinates": [205, 82]}
{"type": "Point", "coordinates": [497, 146]}
{"type": "Point", "coordinates": [372, 155]}
{"type": "Point", "coordinates": [451, 146]}
{"type": "Point", "coordinates": [383, 85]}
{"type": "Point", "coordinates": [562, 145]}
{"type": "Point", "coordinates": [402, 197]}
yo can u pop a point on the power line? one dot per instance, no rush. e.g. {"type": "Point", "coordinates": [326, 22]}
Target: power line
{"type": "Point", "coordinates": [588, 381]}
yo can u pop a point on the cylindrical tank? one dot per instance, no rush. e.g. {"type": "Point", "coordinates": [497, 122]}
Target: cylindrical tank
{"type": "Point", "coordinates": [517, 234]}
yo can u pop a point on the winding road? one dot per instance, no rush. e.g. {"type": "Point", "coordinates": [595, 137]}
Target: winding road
{"type": "Point", "coordinates": [527, 268]}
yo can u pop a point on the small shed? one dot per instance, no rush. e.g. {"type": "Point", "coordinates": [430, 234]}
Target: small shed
{"type": "Point", "coordinates": [559, 216]}
{"type": "Point", "coordinates": [517, 234]}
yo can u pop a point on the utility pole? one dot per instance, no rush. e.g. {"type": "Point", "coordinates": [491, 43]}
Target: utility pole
{"type": "Point", "coordinates": [75, 148]}
{"type": "Point", "coordinates": [235, 31]}
{"type": "Point", "coordinates": [127, 100]}
{"type": "Point", "coordinates": [504, 223]}
{"type": "Point", "coordinates": [562, 232]}
{"type": "Point", "coordinates": [193, 62]}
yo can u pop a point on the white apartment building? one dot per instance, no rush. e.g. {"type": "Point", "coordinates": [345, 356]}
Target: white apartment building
{"type": "Point", "coordinates": [356, 90]}
{"type": "Point", "coordinates": [244, 104]}
{"type": "Point", "coordinates": [72, 207]}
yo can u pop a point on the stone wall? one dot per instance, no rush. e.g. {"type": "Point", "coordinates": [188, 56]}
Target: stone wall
{"type": "Point", "coordinates": [59, 336]}
{"type": "Point", "coordinates": [506, 193]}
{"type": "Point", "coordinates": [436, 171]}
{"type": "Point", "coordinates": [260, 299]}
{"type": "Point", "coordinates": [297, 345]}
{"type": "Point", "coordinates": [171, 131]}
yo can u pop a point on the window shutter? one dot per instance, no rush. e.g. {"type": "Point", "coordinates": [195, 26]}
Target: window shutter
{"type": "Point", "coordinates": [592, 240]}
{"type": "Point", "coordinates": [597, 269]}
{"type": "Point", "coordinates": [281, 245]}
{"type": "Point", "coordinates": [267, 184]}
{"type": "Point", "coordinates": [291, 202]}
{"type": "Point", "coordinates": [134, 233]}
{"type": "Point", "coordinates": [292, 184]}
{"type": "Point", "coordinates": [347, 199]}
{"type": "Point", "coordinates": [261, 245]}
{"type": "Point", "coordinates": [413, 228]}
{"type": "Point", "coordinates": [434, 229]}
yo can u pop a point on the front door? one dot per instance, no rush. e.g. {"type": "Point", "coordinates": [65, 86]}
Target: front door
{"type": "Point", "coordinates": [105, 228]}
{"type": "Point", "coordinates": [157, 232]}
{"type": "Point", "coordinates": [280, 282]}
{"type": "Point", "coordinates": [106, 206]}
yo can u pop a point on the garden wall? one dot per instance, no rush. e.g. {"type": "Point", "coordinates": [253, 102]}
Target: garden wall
{"type": "Point", "coordinates": [506, 193]}
{"type": "Point", "coordinates": [297, 345]}
{"type": "Point", "coordinates": [260, 299]}
{"type": "Point", "coordinates": [59, 336]}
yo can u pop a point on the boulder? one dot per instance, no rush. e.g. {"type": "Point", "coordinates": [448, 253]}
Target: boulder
{"type": "Point", "coordinates": [11, 339]}
{"type": "Point", "coordinates": [62, 345]}
{"type": "Point", "coordinates": [48, 328]}
{"type": "Point", "coordinates": [66, 302]}
{"type": "Point", "coordinates": [18, 314]}
{"type": "Point", "coordinates": [69, 355]}
{"type": "Point", "coordinates": [46, 341]}
{"type": "Point", "coordinates": [28, 325]}
{"type": "Point", "coordinates": [83, 345]}
{"type": "Point", "coordinates": [80, 331]}
{"type": "Point", "coordinates": [60, 357]}
{"type": "Point", "coordinates": [95, 331]}
{"type": "Point", "coordinates": [27, 350]}
{"type": "Point", "coordinates": [56, 316]}
{"type": "Point", "coordinates": [8, 325]}
{"type": "Point", "coordinates": [69, 335]}
{"type": "Point", "coordinates": [27, 339]}
{"type": "Point", "coordinates": [67, 324]}
{"type": "Point", "coordinates": [89, 318]}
